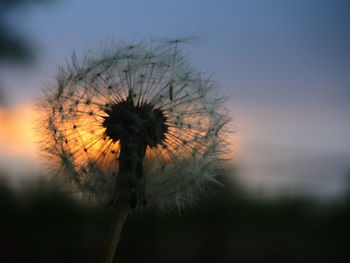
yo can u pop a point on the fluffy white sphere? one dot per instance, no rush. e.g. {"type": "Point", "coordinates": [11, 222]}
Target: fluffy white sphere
{"type": "Point", "coordinates": [183, 128]}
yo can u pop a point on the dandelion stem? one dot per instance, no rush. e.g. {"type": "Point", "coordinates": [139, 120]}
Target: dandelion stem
{"type": "Point", "coordinates": [120, 213]}
{"type": "Point", "coordinates": [129, 180]}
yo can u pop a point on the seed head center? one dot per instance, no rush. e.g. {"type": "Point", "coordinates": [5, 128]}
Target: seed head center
{"type": "Point", "coordinates": [143, 123]}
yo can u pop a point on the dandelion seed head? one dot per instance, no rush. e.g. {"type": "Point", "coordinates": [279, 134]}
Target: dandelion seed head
{"type": "Point", "coordinates": [139, 104]}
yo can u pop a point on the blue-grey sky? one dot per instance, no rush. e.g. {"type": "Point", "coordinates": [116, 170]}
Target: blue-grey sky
{"type": "Point", "coordinates": [284, 64]}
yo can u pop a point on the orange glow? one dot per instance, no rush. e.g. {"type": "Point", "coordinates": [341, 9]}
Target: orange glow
{"type": "Point", "coordinates": [17, 136]}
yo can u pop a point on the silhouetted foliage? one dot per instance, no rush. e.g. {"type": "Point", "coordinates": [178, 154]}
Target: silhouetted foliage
{"type": "Point", "coordinates": [42, 224]}
{"type": "Point", "coordinates": [13, 46]}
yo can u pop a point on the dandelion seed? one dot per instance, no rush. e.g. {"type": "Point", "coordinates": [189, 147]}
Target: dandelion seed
{"type": "Point", "coordinates": [135, 123]}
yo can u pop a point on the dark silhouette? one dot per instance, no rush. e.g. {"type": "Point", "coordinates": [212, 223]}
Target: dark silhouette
{"type": "Point", "coordinates": [14, 48]}
{"type": "Point", "coordinates": [42, 224]}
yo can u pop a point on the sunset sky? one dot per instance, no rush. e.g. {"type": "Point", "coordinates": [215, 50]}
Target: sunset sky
{"type": "Point", "coordinates": [284, 65]}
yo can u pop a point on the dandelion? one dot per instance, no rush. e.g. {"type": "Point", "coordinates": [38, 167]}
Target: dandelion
{"type": "Point", "coordinates": [134, 127]}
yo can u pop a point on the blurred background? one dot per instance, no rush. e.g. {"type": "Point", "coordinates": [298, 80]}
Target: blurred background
{"type": "Point", "coordinates": [284, 67]}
